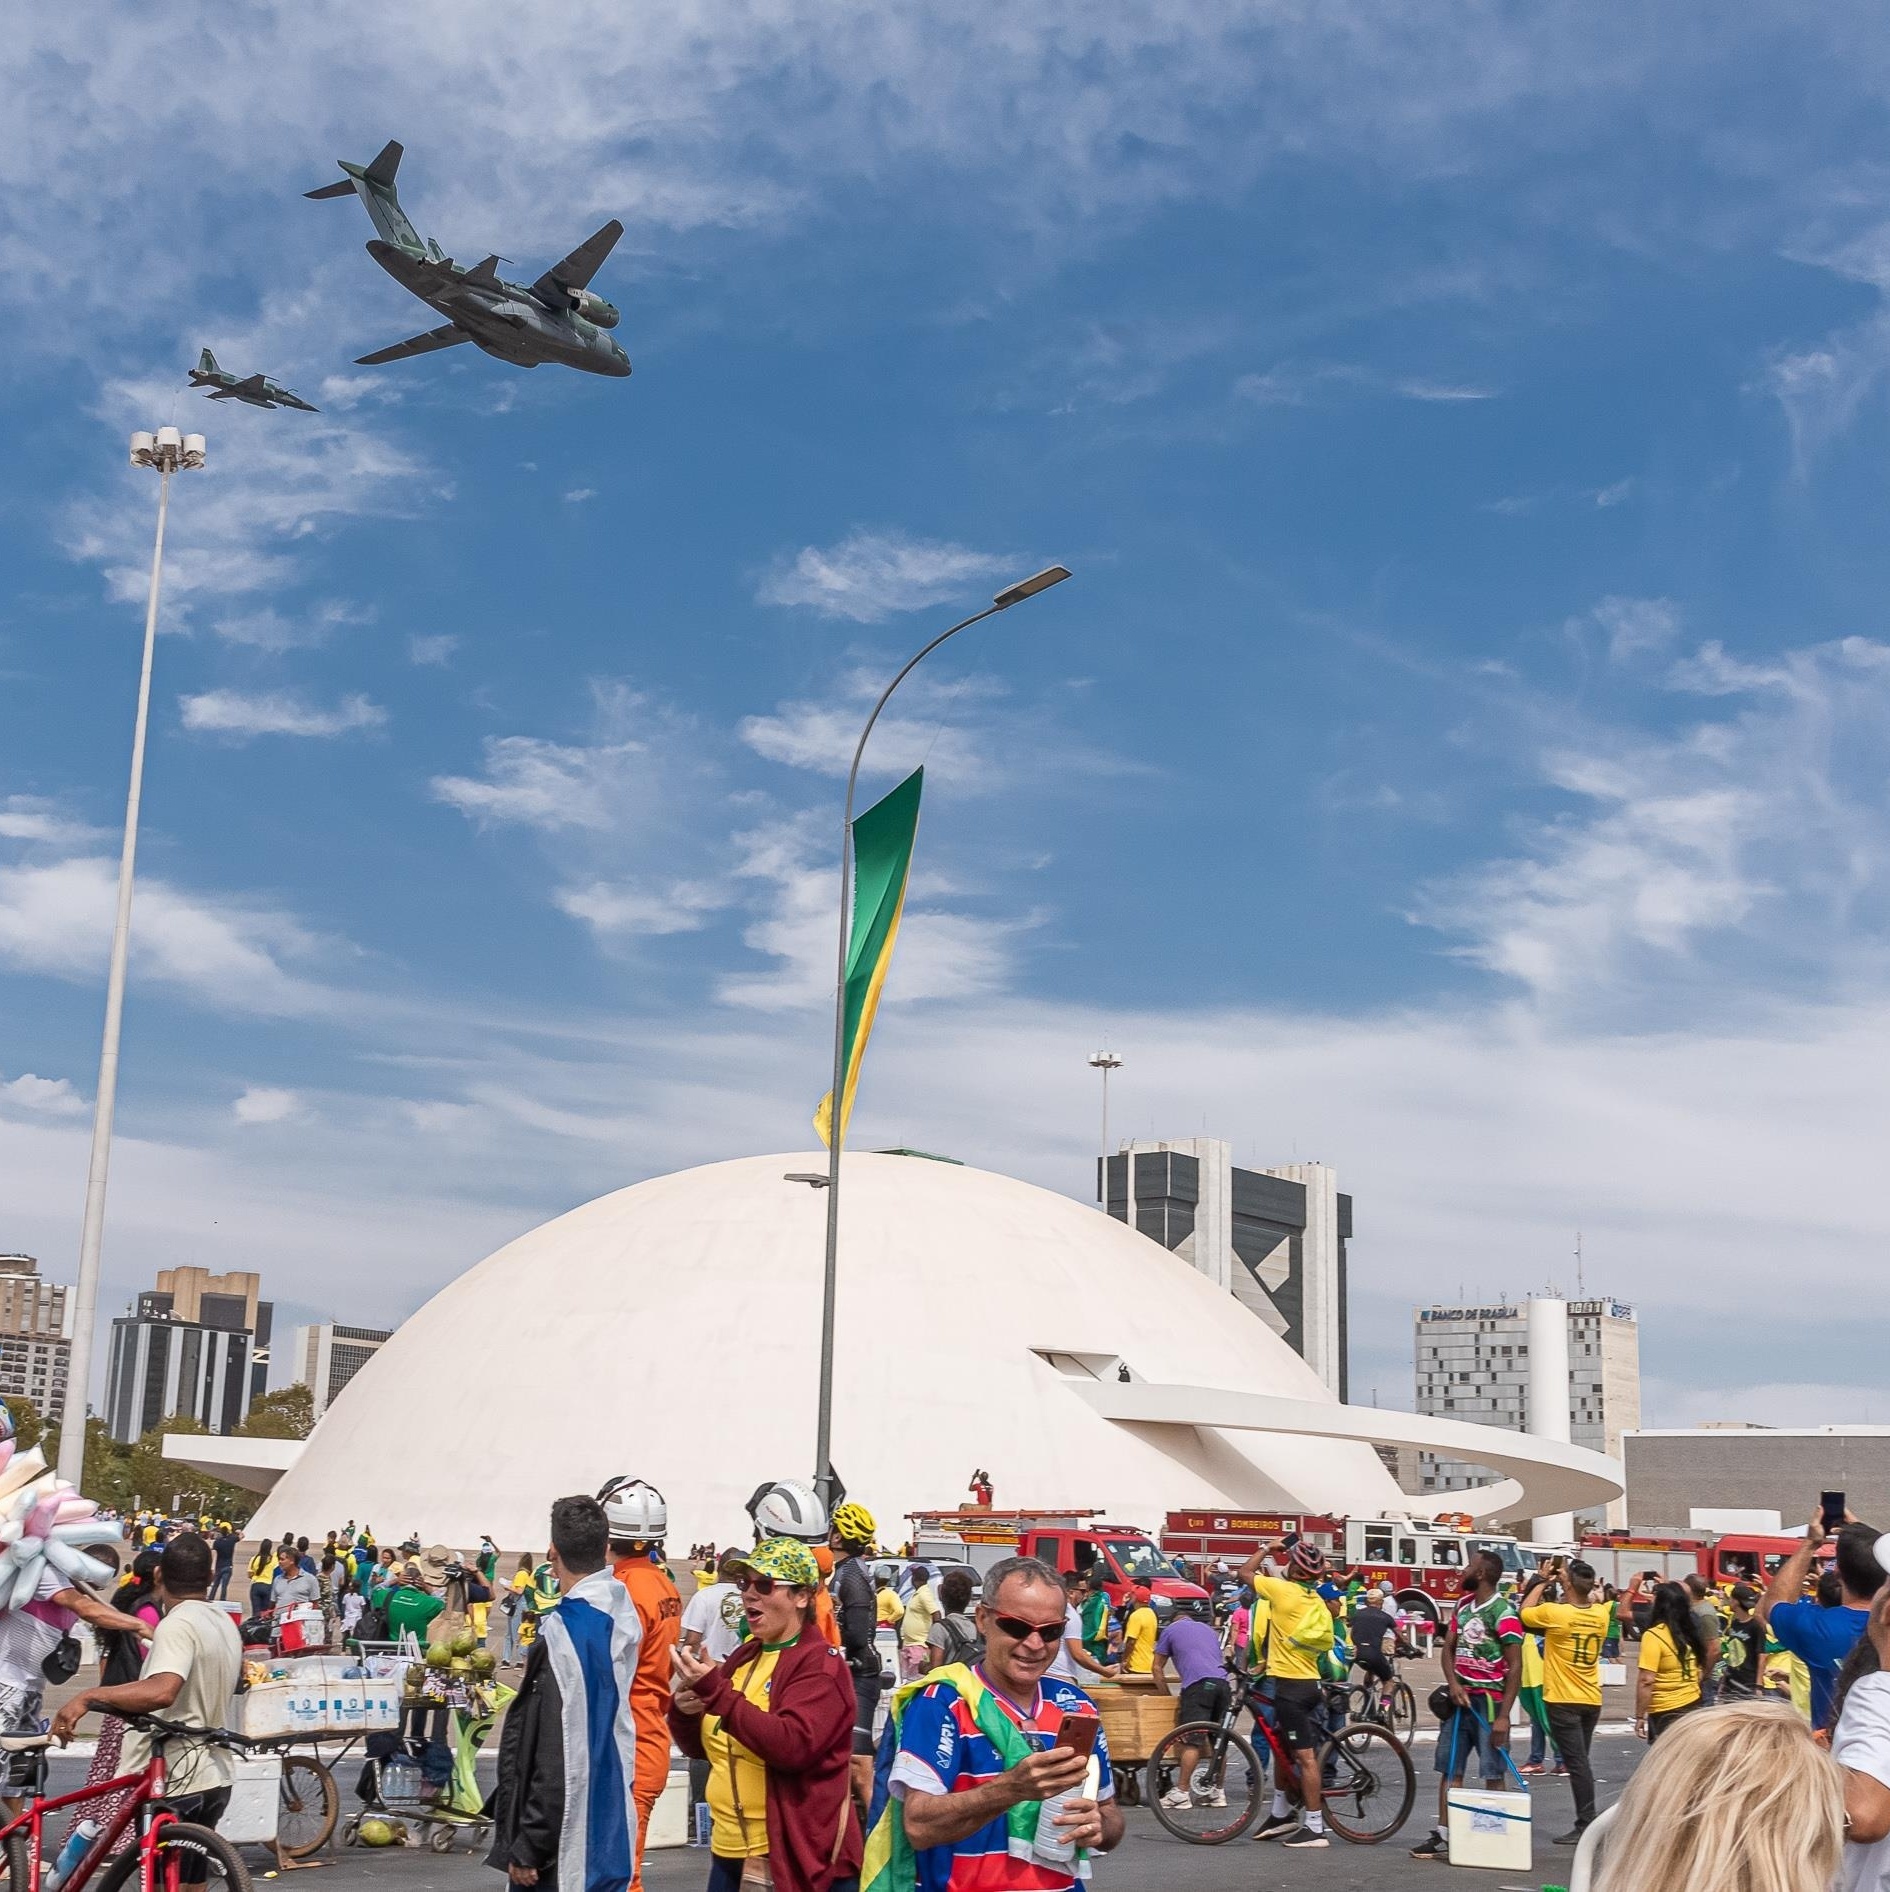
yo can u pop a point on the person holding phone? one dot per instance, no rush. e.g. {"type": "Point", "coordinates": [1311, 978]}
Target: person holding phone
{"type": "Point", "coordinates": [998, 1773]}
{"type": "Point", "coordinates": [1821, 1638]}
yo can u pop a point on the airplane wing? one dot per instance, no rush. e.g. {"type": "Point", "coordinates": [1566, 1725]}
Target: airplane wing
{"type": "Point", "coordinates": [425, 344]}
{"type": "Point", "coordinates": [249, 385]}
{"type": "Point", "coordinates": [577, 269]}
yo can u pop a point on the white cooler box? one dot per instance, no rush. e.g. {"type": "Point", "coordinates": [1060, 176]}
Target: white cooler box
{"type": "Point", "coordinates": [1489, 1829]}
{"type": "Point", "coordinates": [317, 1698]}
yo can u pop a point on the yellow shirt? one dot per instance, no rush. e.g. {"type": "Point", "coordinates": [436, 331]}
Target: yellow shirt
{"type": "Point", "coordinates": [1261, 1615]}
{"type": "Point", "coordinates": [1287, 1605]}
{"type": "Point", "coordinates": [1676, 1674]}
{"type": "Point", "coordinates": [1571, 1649]}
{"type": "Point", "coordinates": [734, 1771]}
{"type": "Point", "coordinates": [919, 1614]}
{"type": "Point", "coordinates": [1138, 1641]}
{"type": "Point", "coordinates": [891, 1610]}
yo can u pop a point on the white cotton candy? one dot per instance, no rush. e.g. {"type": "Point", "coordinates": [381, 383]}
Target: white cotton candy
{"type": "Point", "coordinates": [76, 1564]}
{"type": "Point", "coordinates": [24, 1469]}
{"type": "Point", "coordinates": [83, 1531]}
{"type": "Point", "coordinates": [26, 1581]}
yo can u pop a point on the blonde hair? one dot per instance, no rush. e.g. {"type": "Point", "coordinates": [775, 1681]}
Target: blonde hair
{"type": "Point", "coordinates": [1733, 1799]}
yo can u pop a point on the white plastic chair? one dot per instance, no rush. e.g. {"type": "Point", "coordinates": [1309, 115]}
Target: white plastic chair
{"type": "Point", "coordinates": [1581, 1877]}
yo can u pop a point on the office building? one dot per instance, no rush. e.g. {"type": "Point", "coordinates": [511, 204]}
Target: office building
{"type": "Point", "coordinates": [196, 1344]}
{"type": "Point", "coordinates": [1273, 1238]}
{"type": "Point", "coordinates": [328, 1356]}
{"type": "Point", "coordinates": [1473, 1363]}
{"type": "Point", "coordinates": [35, 1342]}
{"type": "Point", "coordinates": [1707, 1476]}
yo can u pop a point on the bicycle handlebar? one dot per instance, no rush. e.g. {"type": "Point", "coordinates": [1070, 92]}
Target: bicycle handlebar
{"type": "Point", "coordinates": [177, 1731]}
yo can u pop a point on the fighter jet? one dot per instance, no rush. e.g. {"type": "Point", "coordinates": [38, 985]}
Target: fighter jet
{"type": "Point", "coordinates": [555, 319]}
{"type": "Point", "coordinates": [254, 389]}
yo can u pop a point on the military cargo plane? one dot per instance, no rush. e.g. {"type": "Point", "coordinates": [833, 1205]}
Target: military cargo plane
{"type": "Point", "coordinates": [556, 319]}
{"type": "Point", "coordinates": [255, 389]}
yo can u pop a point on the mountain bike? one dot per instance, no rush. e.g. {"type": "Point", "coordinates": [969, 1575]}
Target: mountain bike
{"type": "Point", "coordinates": [171, 1855]}
{"type": "Point", "coordinates": [1367, 1782]}
{"type": "Point", "coordinates": [1388, 1702]}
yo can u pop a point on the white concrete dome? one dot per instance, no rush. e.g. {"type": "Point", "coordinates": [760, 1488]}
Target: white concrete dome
{"type": "Point", "coordinates": [671, 1330]}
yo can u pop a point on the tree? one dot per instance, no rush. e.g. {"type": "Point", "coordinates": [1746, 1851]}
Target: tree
{"type": "Point", "coordinates": [289, 1414]}
{"type": "Point", "coordinates": [28, 1425]}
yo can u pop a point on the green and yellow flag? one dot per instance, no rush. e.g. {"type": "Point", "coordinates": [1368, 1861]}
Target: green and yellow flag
{"type": "Point", "coordinates": [882, 860]}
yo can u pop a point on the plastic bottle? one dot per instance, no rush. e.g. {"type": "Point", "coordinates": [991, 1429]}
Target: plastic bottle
{"type": "Point", "coordinates": [1050, 1842]}
{"type": "Point", "coordinates": [72, 1851]}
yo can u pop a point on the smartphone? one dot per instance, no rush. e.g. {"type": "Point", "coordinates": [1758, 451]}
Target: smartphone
{"type": "Point", "coordinates": [1830, 1510]}
{"type": "Point", "coordinates": [1078, 1732]}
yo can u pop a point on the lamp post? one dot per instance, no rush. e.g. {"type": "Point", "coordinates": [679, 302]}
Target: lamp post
{"type": "Point", "coordinates": [1105, 1062]}
{"type": "Point", "coordinates": [823, 1440]}
{"type": "Point", "coordinates": [167, 452]}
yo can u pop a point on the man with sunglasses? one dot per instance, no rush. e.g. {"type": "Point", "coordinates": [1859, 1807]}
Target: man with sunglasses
{"type": "Point", "coordinates": [976, 1751]}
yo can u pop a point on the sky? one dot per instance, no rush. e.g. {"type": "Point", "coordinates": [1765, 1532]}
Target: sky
{"type": "Point", "coordinates": [1457, 758]}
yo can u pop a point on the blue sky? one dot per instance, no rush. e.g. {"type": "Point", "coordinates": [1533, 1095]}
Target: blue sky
{"type": "Point", "coordinates": [1458, 757]}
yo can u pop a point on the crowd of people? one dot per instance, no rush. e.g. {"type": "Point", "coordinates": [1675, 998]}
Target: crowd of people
{"type": "Point", "coordinates": [1767, 1713]}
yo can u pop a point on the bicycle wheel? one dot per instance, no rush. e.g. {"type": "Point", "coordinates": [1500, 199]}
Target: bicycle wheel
{"type": "Point", "coordinates": [1223, 1787]}
{"type": "Point", "coordinates": [307, 1806]}
{"type": "Point", "coordinates": [1361, 1703]}
{"type": "Point", "coordinates": [1403, 1712]}
{"type": "Point", "coordinates": [1369, 1783]}
{"type": "Point", "coordinates": [16, 1865]}
{"type": "Point", "coordinates": [209, 1860]}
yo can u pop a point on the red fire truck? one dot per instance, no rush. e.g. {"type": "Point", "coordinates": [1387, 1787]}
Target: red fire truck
{"type": "Point", "coordinates": [1720, 1557]}
{"type": "Point", "coordinates": [1065, 1540]}
{"type": "Point", "coordinates": [1420, 1564]}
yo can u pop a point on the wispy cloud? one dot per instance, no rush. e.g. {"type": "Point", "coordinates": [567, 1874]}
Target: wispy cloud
{"type": "Point", "coordinates": [1636, 626]}
{"type": "Point", "coordinates": [577, 495]}
{"type": "Point", "coordinates": [262, 1104]}
{"type": "Point", "coordinates": [41, 1096]}
{"type": "Point", "coordinates": [436, 649]}
{"type": "Point", "coordinates": [868, 576]}
{"type": "Point", "coordinates": [36, 819]}
{"type": "Point", "coordinates": [618, 911]}
{"type": "Point", "coordinates": [1301, 383]}
{"type": "Point", "coordinates": [240, 717]}
{"type": "Point", "coordinates": [534, 783]}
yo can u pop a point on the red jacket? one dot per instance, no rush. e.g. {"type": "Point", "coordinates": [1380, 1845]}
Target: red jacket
{"type": "Point", "coordinates": [804, 1737]}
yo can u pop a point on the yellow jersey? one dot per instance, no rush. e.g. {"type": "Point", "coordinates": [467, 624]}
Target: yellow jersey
{"type": "Point", "coordinates": [1289, 1608]}
{"type": "Point", "coordinates": [1571, 1649]}
{"type": "Point", "coordinates": [738, 1781]}
{"type": "Point", "coordinates": [1676, 1674]}
{"type": "Point", "coordinates": [1138, 1641]}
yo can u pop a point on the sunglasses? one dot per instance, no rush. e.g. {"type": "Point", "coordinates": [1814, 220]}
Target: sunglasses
{"type": "Point", "coordinates": [1049, 1634]}
{"type": "Point", "coordinates": [762, 1586]}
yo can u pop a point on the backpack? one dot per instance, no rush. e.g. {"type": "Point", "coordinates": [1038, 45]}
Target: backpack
{"type": "Point", "coordinates": [371, 1624]}
{"type": "Point", "coordinates": [962, 1641]}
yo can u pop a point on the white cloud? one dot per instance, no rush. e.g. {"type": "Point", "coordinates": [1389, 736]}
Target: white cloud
{"type": "Point", "coordinates": [260, 1104]}
{"type": "Point", "coordinates": [822, 737]}
{"type": "Point", "coordinates": [276, 713]}
{"type": "Point", "coordinates": [56, 919]}
{"type": "Point", "coordinates": [541, 784]}
{"type": "Point", "coordinates": [579, 494]}
{"type": "Point", "coordinates": [42, 1096]}
{"type": "Point", "coordinates": [1616, 495]}
{"type": "Point", "coordinates": [436, 649]}
{"type": "Point", "coordinates": [38, 820]}
{"type": "Point", "coordinates": [1761, 839]}
{"type": "Point", "coordinates": [1300, 383]}
{"type": "Point", "coordinates": [870, 575]}
{"type": "Point", "coordinates": [616, 911]}
{"type": "Point", "coordinates": [1637, 625]}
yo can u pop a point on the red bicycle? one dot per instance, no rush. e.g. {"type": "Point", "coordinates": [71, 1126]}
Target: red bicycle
{"type": "Point", "coordinates": [171, 1855]}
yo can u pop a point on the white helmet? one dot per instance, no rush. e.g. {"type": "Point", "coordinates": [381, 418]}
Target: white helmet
{"type": "Point", "coordinates": [636, 1510]}
{"type": "Point", "coordinates": [789, 1508]}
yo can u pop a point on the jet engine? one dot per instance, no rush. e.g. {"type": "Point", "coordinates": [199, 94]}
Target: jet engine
{"type": "Point", "coordinates": [593, 308]}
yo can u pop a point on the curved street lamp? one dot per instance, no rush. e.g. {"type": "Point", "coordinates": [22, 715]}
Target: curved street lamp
{"type": "Point", "coordinates": [166, 452]}
{"type": "Point", "coordinates": [823, 1443]}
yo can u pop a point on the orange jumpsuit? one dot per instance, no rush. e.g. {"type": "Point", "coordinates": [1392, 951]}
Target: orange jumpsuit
{"type": "Point", "coordinates": [659, 1610]}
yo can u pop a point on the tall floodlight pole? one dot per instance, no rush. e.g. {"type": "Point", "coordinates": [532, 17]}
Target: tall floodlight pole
{"type": "Point", "coordinates": [823, 1440]}
{"type": "Point", "coordinates": [1105, 1062]}
{"type": "Point", "coordinates": [167, 452]}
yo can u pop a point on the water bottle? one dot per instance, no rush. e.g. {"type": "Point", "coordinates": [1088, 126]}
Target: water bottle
{"type": "Point", "coordinates": [1052, 1843]}
{"type": "Point", "coordinates": [72, 1851]}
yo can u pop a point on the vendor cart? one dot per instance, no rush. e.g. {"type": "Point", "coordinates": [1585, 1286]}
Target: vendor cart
{"type": "Point", "coordinates": [1135, 1715]}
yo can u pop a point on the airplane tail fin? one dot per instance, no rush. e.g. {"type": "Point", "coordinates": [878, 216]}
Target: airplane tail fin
{"type": "Point", "coordinates": [373, 183]}
{"type": "Point", "coordinates": [207, 363]}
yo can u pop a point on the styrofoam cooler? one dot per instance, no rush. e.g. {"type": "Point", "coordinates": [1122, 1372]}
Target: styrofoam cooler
{"type": "Point", "coordinates": [316, 1696]}
{"type": "Point", "coordinates": [301, 1628]}
{"type": "Point", "coordinates": [255, 1801]}
{"type": "Point", "coordinates": [1489, 1828]}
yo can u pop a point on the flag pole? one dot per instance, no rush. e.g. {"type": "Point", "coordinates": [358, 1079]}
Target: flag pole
{"type": "Point", "coordinates": [823, 1436]}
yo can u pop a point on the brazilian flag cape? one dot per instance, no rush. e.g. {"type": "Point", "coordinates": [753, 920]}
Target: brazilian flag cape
{"type": "Point", "coordinates": [889, 1865]}
{"type": "Point", "coordinates": [882, 861]}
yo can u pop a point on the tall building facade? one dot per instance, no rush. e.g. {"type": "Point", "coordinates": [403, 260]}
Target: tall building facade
{"type": "Point", "coordinates": [197, 1344]}
{"type": "Point", "coordinates": [35, 1338]}
{"type": "Point", "coordinates": [328, 1356]}
{"type": "Point", "coordinates": [1274, 1238]}
{"type": "Point", "coordinates": [1473, 1363]}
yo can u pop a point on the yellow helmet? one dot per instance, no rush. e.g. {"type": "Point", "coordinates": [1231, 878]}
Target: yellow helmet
{"type": "Point", "coordinates": [853, 1524]}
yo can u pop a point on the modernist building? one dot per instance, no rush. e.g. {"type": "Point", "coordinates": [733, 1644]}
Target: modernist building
{"type": "Point", "coordinates": [328, 1356]}
{"type": "Point", "coordinates": [197, 1343]}
{"type": "Point", "coordinates": [1273, 1238]}
{"type": "Point", "coordinates": [1473, 1363]}
{"type": "Point", "coordinates": [1108, 1375]}
{"type": "Point", "coordinates": [35, 1341]}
